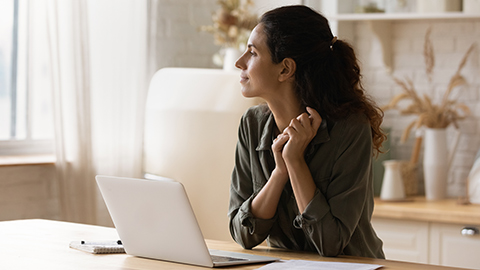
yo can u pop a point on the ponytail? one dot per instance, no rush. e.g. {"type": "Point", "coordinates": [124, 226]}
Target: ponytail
{"type": "Point", "coordinates": [352, 95]}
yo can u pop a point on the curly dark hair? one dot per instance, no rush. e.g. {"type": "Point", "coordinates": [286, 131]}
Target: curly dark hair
{"type": "Point", "coordinates": [328, 74]}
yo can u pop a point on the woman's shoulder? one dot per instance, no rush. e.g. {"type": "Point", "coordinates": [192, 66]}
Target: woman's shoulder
{"type": "Point", "coordinates": [352, 131]}
{"type": "Point", "coordinates": [354, 123]}
{"type": "Point", "coordinates": [358, 118]}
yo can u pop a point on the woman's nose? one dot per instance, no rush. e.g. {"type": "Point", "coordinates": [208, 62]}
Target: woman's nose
{"type": "Point", "coordinates": [239, 63]}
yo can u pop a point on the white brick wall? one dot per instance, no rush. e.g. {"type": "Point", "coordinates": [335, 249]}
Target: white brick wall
{"type": "Point", "coordinates": [451, 40]}
{"type": "Point", "coordinates": [179, 43]}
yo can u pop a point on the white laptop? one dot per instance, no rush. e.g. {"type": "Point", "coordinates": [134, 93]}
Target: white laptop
{"type": "Point", "coordinates": [154, 219]}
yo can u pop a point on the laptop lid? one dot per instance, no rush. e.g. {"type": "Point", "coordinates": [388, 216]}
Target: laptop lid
{"type": "Point", "coordinates": [154, 219]}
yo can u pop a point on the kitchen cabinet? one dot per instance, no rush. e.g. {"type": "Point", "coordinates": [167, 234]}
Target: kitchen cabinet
{"type": "Point", "coordinates": [403, 240]}
{"type": "Point", "coordinates": [434, 232]}
{"type": "Point", "coordinates": [450, 248]}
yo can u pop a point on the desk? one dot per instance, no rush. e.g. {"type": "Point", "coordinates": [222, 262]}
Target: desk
{"type": "Point", "coordinates": [43, 244]}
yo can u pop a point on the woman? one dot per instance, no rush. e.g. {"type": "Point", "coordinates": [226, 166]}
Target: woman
{"type": "Point", "coordinates": [303, 175]}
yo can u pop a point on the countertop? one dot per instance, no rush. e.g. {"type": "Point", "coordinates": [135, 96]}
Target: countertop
{"type": "Point", "coordinates": [418, 208]}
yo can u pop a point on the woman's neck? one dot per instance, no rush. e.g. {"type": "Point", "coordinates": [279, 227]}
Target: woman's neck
{"type": "Point", "coordinates": [284, 104]}
{"type": "Point", "coordinates": [284, 112]}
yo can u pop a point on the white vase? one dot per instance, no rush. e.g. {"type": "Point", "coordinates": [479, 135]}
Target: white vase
{"type": "Point", "coordinates": [474, 181]}
{"type": "Point", "coordinates": [392, 185]}
{"type": "Point", "coordinates": [435, 163]}
{"type": "Point", "coordinates": [231, 56]}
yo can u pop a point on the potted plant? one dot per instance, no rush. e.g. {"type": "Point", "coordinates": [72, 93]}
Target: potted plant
{"type": "Point", "coordinates": [232, 25]}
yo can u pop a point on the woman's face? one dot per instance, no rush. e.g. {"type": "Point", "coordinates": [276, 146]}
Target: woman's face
{"type": "Point", "coordinates": [259, 76]}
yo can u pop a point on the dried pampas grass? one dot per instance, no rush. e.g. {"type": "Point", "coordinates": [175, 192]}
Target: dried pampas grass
{"type": "Point", "coordinates": [448, 111]}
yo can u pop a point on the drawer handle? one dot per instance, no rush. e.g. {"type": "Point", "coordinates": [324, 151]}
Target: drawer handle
{"type": "Point", "coordinates": [468, 231]}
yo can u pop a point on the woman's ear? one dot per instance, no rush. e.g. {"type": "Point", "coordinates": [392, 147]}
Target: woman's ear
{"type": "Point", "coordinates": [288, 69]}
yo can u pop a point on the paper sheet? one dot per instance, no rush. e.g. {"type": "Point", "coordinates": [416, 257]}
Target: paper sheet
{"type": "Point", "coordinates": [314, 265]}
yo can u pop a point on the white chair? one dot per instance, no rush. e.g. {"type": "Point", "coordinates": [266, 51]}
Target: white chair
{"type": "Point", "coordinates": [191, 125]}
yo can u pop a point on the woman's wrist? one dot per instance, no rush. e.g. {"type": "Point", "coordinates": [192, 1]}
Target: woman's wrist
{"type": "Point", "coordinates": [279, 175]}
{"type": "Point", "coordinates": [294, 163]}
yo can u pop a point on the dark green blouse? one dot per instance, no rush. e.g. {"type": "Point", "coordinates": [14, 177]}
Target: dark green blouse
{"type": "Point", "coordinates": [337, 220]}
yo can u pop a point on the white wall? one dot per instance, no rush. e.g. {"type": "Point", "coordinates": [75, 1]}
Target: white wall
{"type": "Point", "coordinates": [451, 39]}
{"type": "Point", "coordinates": [180, 44]}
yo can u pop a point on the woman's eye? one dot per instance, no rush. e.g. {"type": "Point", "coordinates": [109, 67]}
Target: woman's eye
{"type": "Point", "coordinates": [252, 53]}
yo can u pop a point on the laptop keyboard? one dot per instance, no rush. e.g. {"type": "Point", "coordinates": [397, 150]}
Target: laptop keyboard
{"type": "Point", "coordinates": [216, 258]}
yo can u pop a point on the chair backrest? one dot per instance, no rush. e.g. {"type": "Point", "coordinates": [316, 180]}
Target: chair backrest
{"type": "Point", "coordinates": [191, 125]}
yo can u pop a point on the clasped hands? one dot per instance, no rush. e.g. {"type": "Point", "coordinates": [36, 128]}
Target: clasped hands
{"type": "Point", "coordinates": [290, 145]}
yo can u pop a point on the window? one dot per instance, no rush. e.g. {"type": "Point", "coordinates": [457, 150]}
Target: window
{"type": "Point", "coordinates": [26, 123]}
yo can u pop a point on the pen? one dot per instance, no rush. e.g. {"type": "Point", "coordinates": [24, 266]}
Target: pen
{"type": "Point", "coordinates": [118, 242]}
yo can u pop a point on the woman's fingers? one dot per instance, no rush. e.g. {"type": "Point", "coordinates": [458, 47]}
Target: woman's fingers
{"type": "Point", "coordinates": [277, 149]}
{"type": "Point", "coordinates": [299, 134]}
{"type": "Point", "coordinates": [307, 124]}
{"type": "Point", "coordinates": [300, 125]}
{"type": "Point", "coordinates": [303, 118]}
{"type": "Point", "coordinates": [315, 118]}
{"type": "Point", "coordinates": [297, 125]}
{"type": "Point", "coordinates": [279, 142]}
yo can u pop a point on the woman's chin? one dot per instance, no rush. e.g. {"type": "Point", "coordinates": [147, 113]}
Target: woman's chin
{"type": "Point", "coordinates": [246, 93]}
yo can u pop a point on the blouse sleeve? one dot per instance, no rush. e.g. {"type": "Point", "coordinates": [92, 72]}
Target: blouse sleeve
{"type": "Point", "coordinates": [330, 219]}
{"type": "Point", "coordinates": [245, 229]}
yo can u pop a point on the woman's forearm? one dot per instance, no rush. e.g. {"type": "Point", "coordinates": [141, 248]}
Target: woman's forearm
{"type": "Point", "coordinates": [302, 183]}
{"type": "Point", "coordinates": [265, 203]}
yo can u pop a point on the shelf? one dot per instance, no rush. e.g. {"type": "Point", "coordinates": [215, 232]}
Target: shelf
{"type": "Point", "coordinates": [400, 16]}
{"type": "Point", "coordinates": [381, 25]}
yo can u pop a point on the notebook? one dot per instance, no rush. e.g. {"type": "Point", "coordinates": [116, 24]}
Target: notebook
{"type": "Point", "coordinates": [98, 247]}
{"type": "Point", "coordinates": [154, 219]}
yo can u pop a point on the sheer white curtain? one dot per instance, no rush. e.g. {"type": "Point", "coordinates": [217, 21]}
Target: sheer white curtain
{"type": "Point", "coordinates": [67, 36]}
{"type": "Point", "coordinates": [123, 62]}
{"type": "Point", "coordinates": [100, 69]}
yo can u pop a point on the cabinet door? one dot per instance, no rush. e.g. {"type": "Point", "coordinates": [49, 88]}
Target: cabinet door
{"type": "Point", "coordinates": [450, 248]}
{"type": "Point", "coordinates": [403, 240]}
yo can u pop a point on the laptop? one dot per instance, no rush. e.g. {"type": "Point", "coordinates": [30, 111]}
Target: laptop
{"type": "Point", "coordinates": [154, 219]}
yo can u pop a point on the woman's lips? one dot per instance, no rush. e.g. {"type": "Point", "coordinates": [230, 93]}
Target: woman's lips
{"type": "Point", "coordinates": [243, 79]}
